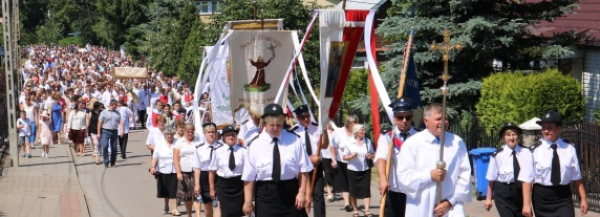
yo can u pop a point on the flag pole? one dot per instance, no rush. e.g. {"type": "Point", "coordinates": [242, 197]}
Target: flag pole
{"type": "Point", "coordinates": [388, 162]}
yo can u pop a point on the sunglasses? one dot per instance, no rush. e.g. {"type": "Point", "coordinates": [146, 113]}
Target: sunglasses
{"type": "Point", "coordinates": [303, 116]}
{"type": "Point", "coordinates": [401, 117]}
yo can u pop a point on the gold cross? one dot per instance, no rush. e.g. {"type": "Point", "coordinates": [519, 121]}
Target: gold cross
{"type": "Point", "coordinates": [445, 47]}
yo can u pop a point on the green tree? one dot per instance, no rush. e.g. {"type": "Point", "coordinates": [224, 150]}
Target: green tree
{"type": "Point", "coordinates": [518, 97]}
{"type": "Point", "coordinates": [164, 35]}
{"type": "Point", "coordinates": [50, 32]}
{"type": "Point", "coordinates": [191, 56]}
{"type": "Point", "coordinates": [115, 20]}
{"type": "Point", "coordinates": [488, 29]}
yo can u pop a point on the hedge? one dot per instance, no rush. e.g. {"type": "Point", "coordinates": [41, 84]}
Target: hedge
{"type": "Point", "coordinates": [517, 97]}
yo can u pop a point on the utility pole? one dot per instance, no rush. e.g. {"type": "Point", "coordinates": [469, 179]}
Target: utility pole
{"type": "Point", "coordinates": [10, 14]}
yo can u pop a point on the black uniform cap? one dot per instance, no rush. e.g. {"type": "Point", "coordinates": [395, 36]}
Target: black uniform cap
{"type": "Point", "coordinates": [510, 126]}
{"type": "Point", "coordinates": [228, 128]}
{"type": "Point", "coordinates": [272, 110]}
{"type": "Point", "coordinates": [551, 117]}
{"type": "Point", "coordinates": [402, 105]}
{"type": "Point", "coordinates": [301, 109]}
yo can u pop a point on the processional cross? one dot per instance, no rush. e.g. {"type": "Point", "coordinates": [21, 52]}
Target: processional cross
{"type": "Point", "coordinates": [444, 47]}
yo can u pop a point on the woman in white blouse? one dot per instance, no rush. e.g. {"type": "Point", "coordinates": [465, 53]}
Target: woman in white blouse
{"type": "Point", "coordinates": [358, 153]}
{"type": "Point", "coordinates": [228, 163]}
{"type": "Point", "coordinates": [204, 179]}
{"type": "Point", "coordinates": [77, 127]}
{"type": "Point", "coordinates": [164, 171]}
{"type": "Point", "coordinates": [183, 154]}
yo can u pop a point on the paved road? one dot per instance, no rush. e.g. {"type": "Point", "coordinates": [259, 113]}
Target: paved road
{"type": "Point", "coordinates": [70, 186]}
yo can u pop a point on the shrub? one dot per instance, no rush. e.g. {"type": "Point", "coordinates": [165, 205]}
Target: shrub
{"type": "Point", "coordinates": [518, 97]}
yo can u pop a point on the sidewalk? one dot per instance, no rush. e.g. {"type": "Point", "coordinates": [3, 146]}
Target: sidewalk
{"type": "Point", "coordinates": [43, 187]}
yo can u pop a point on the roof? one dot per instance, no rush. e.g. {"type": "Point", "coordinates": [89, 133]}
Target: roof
{"type": "Point", "coordinates": [585, 20]}
{"type": "Point", "coordinates": [361, 4]}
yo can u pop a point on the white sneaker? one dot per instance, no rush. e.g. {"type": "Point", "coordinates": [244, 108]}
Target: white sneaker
{"type": "Point", "coordinates": [46, 155]}
{"type": "Point", "coordinates": [43, 153]}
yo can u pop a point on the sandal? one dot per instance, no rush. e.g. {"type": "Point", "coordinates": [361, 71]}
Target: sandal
{"type": "Point", "coordinates": [175, 213]}
{"type": "Point", "coordinates": [368, 214]}
{"type": "Point", "coordinates": [355, 214]}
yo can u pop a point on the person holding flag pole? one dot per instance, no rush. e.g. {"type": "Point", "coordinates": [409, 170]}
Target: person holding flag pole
{"type": "Point", "coordinates": [392, 142]}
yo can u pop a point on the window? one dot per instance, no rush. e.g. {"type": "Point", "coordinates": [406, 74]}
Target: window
{"type": "Point", "coordinates": [208, 7]}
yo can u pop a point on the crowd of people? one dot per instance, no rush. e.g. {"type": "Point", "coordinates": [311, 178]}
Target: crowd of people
{"type": "Point", "coordinates": [270, 165]}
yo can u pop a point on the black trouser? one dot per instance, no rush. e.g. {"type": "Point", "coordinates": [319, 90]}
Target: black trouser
{"type": "Point", "coordinates": [395, 205]}
{"type": "Point", "coordinates": [142, 117]}
{"type": "Point", "coordinates": [318, 193]}
{"type": "Point", "coordinates": [123, 144]}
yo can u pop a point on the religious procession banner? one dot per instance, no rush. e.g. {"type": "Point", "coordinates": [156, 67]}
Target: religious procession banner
{"type": "Point", "coordinates": [340, 33]}
{"type": "Point", "coordinates": [220, 78]}
{"type": "Point", "coordinates": [259, 60]}
{"type": "Point", "coordinates": [130, 72]}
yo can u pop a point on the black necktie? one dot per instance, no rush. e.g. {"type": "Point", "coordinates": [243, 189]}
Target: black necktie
{"type": "Point", "coordinates": [516, 167]}
{"type": "Point", "coordinates": [404, 135]}
{"type": "Point", "coordinates": [231, 159]}
{"type": "Point", "coordinates": [555, 177]}
{"type": "Point", "coordinates": [307, 141]}
{"type": "Point", "coordinates": [276, 162]}
{"type": "Point", "coordinates": [212, 148]}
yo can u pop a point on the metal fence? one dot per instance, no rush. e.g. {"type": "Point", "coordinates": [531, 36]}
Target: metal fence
{"type": "Point", "coordinates": [3, 120]}
{"type": "Point", "coordinates": [585, 137]}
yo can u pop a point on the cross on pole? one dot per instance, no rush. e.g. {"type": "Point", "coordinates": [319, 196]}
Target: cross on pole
{"type": "Point", "coordinates": [445, 47]}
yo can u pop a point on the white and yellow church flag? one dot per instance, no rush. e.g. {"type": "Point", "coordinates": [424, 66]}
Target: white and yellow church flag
{"type": "Point", "coordinates": [259, 60]}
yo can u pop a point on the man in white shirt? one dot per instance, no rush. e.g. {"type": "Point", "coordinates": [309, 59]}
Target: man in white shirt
{"type": "Point", "coordinates": [395, 198]}
{"type": "Point", "coordinates": [419, 176]}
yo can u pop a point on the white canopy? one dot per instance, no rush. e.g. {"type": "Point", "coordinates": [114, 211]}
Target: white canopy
{"type": "Point", "coordinates": [531, 125]}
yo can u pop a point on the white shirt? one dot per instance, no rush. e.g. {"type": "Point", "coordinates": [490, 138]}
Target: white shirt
{"type": "Point", "coordinates": [26, 124]}
{"type": "Point", "coordinates": [326, 153]}
{"type": "Point", "coordinates": [246, 126]}
{"type": "Point", "coordinates": [382, 153]}
{"type": "Point", "coordinates": [339, 141]}
{"type": "Point", "coordinates": [313, 135]}
{"type": "Point", "coordinates": [77, 120]}
{"type": "Point", "coordinates": [204, 154]}
{"type": "Point", "coordinates": [251, 133]}
{"type": "Point", "coordinates": [417, 158]}
{"type": "Point", "coordinates": [106, 98]}
{"type": "Point", "coordinates": [542, 162]}
{"type": "Point", "coordinates": [187, 152]}
{"type": "Point", "coordinates": [258, 166]}
{"type": "Point", "coordinates": [220, 163]}
{"type": "Point", "coordinates": [154, 137]}
{"type": "Point", "coordinates": [501, 165]}
{"type": "Point", "coordinates": [126, 115]}
{"type": "Point", "coordinates": [358, 163]}
{"type": "Point", "coordinates": [164, 155]}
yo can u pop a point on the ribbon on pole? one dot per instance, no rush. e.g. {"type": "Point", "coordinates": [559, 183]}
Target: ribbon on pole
{"type": "Point", "coordinates": [297, 53]}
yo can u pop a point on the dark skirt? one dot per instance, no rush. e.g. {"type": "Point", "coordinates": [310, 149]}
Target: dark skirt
{"type": "Point", "coordinates": [277, 199]}
{"type": "Point", "coordinates": [341, 178]}
{"type": "Point", "coordinates": [166, 185]}
{"type": "Point", "coordinates": [359, 181]}
{"type": "Point", "coordinates": [551, 201]}
{"type": "Point", "coordinates": [78, 136]}
{"type": "Point", "coordinates": [231, 196]}
{"type": "Point", "coordinates": [509, 198]}
{"type": "Point", "coordinates": [205, 187]}
{"type": "Point", "coordinates": [329, 171]}
{"type": "Point", "coordinates": [185, 188]}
